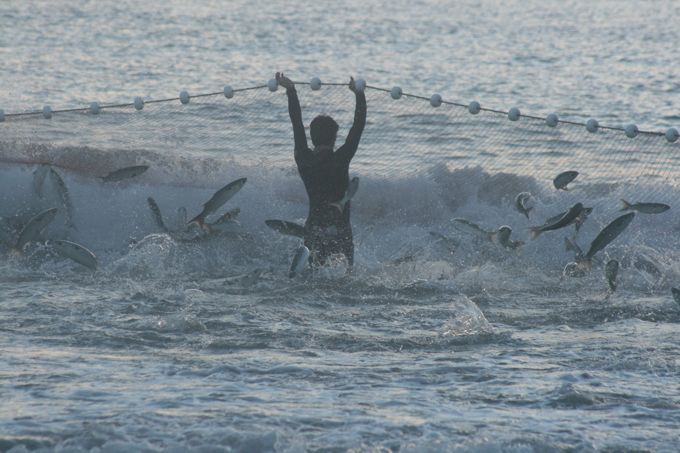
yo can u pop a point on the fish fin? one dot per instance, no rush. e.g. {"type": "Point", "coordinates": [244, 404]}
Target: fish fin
{"type": "Point", "coordinates": [492, 235]}
{"type": "Point", "coordinates": [626, 205]}
{"type": "Point", "coordinates": [337, 205]}
{"type": "Point", "coordinates": [536, 232]}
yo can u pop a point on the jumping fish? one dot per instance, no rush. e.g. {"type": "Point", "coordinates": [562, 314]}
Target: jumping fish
{"type": "Point", "coordinates": [519, 203]}
{"type": "Point", "coordinates": [77, 253]}
{"type": "Point", "coordinates": [565, 220]}
{"type": "Point", "coordinates": [33, 229]}
{"type": "Point", "coordinates": [645, 208]}
{"type": "Point", "coordinates": [505, 241]}
{"type": "Point", "coordinates": [446, 240]}
{"type": "Point", "coordinates": [607, 235]}
{"type": "Point", "coordinates": [351, 191]}
{"type": "Point", "coordinates": [560, 182]}
{"type": "Point", "coordinates": [156, 211]}
{"type": "Point", "coordinates": [124, 173]}
{"type": "Point", "coordinates": [299, 262]}
{"type": "Point", "coordinates": [39, 179]}
{"type": "Point", "coordinates": [60, 189]}
{"type": "Point", "coordinates": [287, 228]}
{"type": "Point", "coordinates": [611, 269]}
{"type": "Point", "coordinates": [218, 199]}
{"type": "Point", "coordinates": [468, 227]}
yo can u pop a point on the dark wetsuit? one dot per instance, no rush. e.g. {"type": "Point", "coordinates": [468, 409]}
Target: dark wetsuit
{"type": "Point", "coordinates": [326, 178]}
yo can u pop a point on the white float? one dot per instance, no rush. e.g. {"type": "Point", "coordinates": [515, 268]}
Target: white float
{"type": "Point", "coordinates": [513, 114]}
{"type": "Point", "coordinates": [184, 97]}
{"type": "Point", "coordinates": [474, 107]}
{"type": "Point", "coordinates": [360, 85]}
{"type": "Point", "coordinates": [396, 92]}
{"type": "Point", "coordinates": [228, 92]}
{"type": "Point", "coordinates": [139, 103]}
{"type": "Point", "coordinates": [436, 100]}
{"type": "Point", "coordinates": [551, 120]}
{"type": "Point", "coordinates": [592, 125]}
{"type": "Point", "coordinates": [94, 108]}
{"type": "Point", "coordinates": [631, 131]}
{"type": "Point", "coordinates": [671, 134]}
{"type": "Point", "coordinates": [273, 86]}
{"type": "Point", "coordinates": [315, 83]}
{"type": "Point", "coordinates": [47, 112]}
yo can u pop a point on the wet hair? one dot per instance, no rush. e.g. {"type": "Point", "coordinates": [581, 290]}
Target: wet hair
{"type": "Point", "coordinates": [324, 130]}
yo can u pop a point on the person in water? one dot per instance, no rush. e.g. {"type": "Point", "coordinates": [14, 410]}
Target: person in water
{"type": "Point", "coordinates": [325, 174]}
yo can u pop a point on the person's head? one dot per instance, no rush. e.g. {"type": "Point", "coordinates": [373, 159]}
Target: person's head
{"type": "Point", "coordinates": [324, 131]}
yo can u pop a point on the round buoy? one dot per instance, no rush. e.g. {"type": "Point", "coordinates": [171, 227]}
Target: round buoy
{"type": "Point", "coordinates": [671, 134]}
{"type": "Point", "coordinates": [139, 103]}
{"type": "Point", "coordinates": [360, 85]}
{"type": "Point", "coordinates": [273, 86]}
{"type": "Point", "coordinates": [551, 120]}
{"type": "Point", "coordinates": [631, 131]}
{"type": "Point", "coordinates": [474, 107]}
{"type": "Point", "coordinates": [592, 125]}
{"type": "Point", "coordinates": [2, 115]}
{"type": "Point", "coordinates": [228, 92]}
{"type": "Point", "coordinates": [315, 83]}
{"type": "Point", "coordinates": [436, 100]}
{"type": "Point", "coordinates": [47, 112]}
{"type": "Point", "coordinates": [396, 92]}
{"type": "Point", "coordinates": [513, 114]}
{"type": "Point", "coordinates": [184, 97]}
{"type": "Point", "coordinates": [94, 108]}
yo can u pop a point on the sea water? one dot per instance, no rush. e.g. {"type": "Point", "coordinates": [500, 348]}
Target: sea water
{"type": "Point", "coordinates": [425, 347]}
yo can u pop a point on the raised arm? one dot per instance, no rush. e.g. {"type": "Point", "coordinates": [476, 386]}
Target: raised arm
{"type": "Point", "coordinates": [295, 114]}
{"type": "Point", "coordinates": [348, 150]}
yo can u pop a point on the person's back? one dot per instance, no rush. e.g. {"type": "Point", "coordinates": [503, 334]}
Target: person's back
{"type": "Point", "coordinates": [325, 174]}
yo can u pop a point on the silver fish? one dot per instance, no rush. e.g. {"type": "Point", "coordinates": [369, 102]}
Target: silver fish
{"type": "Point", "coordinates": [645, 208]}
{"type": "Point", "coordinates": [287, 228]}
{"type": "Point", "coordinates": [676, 295]}
{"type": "Point", "coordinates": [124, 173]}
{"type": "Point", "coordinates": [505, 241]}
{"type": "Point", "coordinates": [560, 182]}
{"type": "Point", "coordinates": [156, 211]}
{"type": "Point", "coordinates": [349, 194]}
{"type": "Point", "coordinates": [468, 227]}
{"type": "Point", "coordinates": [60, 189]}
{"type": "Point", "coordinates": [77, 253]}
{"type": "Point", "coordinates": [299, 262]}
{"type": "Point", "coordinates": [607, 235]}
{"type": "Point", "coordinates": [218, 199]}
{"type": "Point", "coordinates": [33, 229]}
{"type": "Point", "coordinates": [39, 180]}
{"type": "Point", "coordinates": [446, 240]}
{"type": "Point", "coordinates": [611, 269]}
{"type": "Point", "coordinates": [564, 221]}
{"type": "Point", "coordinates": [227, 226]}
{"type": "Point", "coordinates": [519, 203]}
{"type": "Point", "coordinates": [231, 215]}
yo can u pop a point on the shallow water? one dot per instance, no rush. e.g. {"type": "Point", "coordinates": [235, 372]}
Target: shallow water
{"type": "Point", "coordinates": [170, 347]}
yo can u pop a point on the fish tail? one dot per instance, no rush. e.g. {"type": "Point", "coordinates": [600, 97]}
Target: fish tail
{"type": "Point", "coordinates": [337, 205]}
{"type": "Point", "coordinates": [536, 232]}
{"type": "Point", "coordinates": [492, 235]}
{"type": "Point", "coordinates": [626, 205]}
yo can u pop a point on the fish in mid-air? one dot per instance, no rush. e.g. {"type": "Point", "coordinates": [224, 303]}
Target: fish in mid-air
{"type": "Point", "coordinates": [562, 222]}
{"type": "Point", "coordinates": [124, 173]}
{"type": "Point", "coordinates": [77, 253]}
{"type": "Point", "coordinates": [468, 227]}
{"type": "Point", "coordinates": [39, 179]}
{"type": "Point", "coordinates": [560, 182]}
{"type": "Point", "coordinates": [607, 235]}
{"type": "Point", "coordinates": [505, 241]}
{"type": "Point", "coordinates": [299, 261]}
{"type": "Point", "coordinates": [611, 269]}
{"type": "Point", "coordinates": [61, 190]}
{"type": "Point", "coordinates": [519, 203]}
{"type": "Point", "coordinates": [349, 194]}
{"type": "Point", "coordinates": [645, 208]}
{"type": "Point", "coordinates": [33, 229]}
{"type": "Point", "coordinates": [218, 199]}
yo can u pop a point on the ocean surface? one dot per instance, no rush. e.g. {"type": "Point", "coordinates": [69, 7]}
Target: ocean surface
{"type": "Point", "coordinates": [439, 340]}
